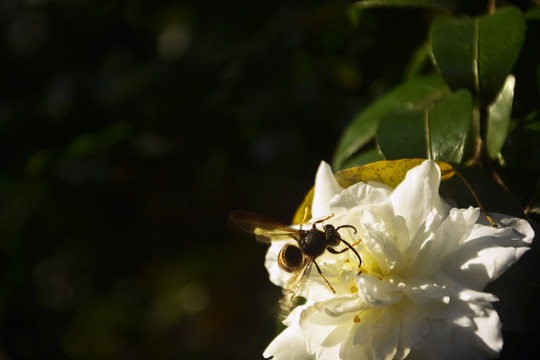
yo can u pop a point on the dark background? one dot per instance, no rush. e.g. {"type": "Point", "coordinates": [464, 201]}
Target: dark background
{"type": "Point", "coordinates": [130, 129]}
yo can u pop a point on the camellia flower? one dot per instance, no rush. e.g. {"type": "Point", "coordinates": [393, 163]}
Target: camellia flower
{"type": "Point", "coordinates": [418, 293]}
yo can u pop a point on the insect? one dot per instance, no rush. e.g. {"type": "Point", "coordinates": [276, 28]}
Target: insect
{"type": "Point", "coordinates": [295, 258]}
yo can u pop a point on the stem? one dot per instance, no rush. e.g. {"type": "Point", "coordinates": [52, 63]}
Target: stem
{"type": "Point", "coordinates": [481, 158]}
{"type": "Point", "coordinates": [489, 218]}
{"type": "Point", "coordinates": [479, 131]}
{"type": "Point", "coordinates": [492, 6]}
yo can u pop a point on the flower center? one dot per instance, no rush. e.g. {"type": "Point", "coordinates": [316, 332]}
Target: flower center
{"type": "Point", "coordinates": [372, 271]}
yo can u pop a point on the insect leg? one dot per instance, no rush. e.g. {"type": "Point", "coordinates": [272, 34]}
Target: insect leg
{"type": "Point", "coordinates": [336, 252]}
{"type": "Point", "coordinates": [320, 273]}
{"type": "Point", "coordinates": [320, 221]}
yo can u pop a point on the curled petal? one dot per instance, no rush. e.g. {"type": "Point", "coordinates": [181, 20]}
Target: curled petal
{"type": "Point", "coordinates": [380, 293]}
{"type": "Point", "coordinates": [489, 251]}
{"type": "Point", "coordinates": [290, 344]}
{"type": "Point", "coordinates": [326, 187]}
{"type": "Point", "coordinates": [372, 195]}
{"type": "Point", "coordinates": [418, 195]}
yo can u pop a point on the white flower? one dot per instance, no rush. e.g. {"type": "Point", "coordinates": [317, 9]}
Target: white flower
{"type": "Point", "coordinates": [419, 294]}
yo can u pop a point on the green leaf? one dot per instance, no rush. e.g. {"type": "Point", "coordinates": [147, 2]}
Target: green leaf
{"type": "Point", "coordinates": [478, 53]}
{"type": "Point", "coordinates": [418, 93]}
{"type": "Point", "coordinates": [498, 122]}
{"type": "Point", "coordinates": [438, 131]}
{"type": "Point", "coordinates": [419, 61]}
{"type": "Point", "coordinates": [362, 158]}
{"type": "Point", "coordinates": [445, 4]}
{"type": "Point", "coordinates": [533, 13]}
{"type": "Point", "coordinates": [522, 150]}
{"type": "Point", "coordinates": [449, 125]}
{"type": "Point", "coordinates": [403, 135]}
{"type": "Point", "coordinates": [500, 38]}
{"type": "Point", "coordinates": [454, 46]}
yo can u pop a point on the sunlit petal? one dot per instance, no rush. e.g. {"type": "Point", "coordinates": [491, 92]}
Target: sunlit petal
{"type": "Point", "coordinates": [419, 292]}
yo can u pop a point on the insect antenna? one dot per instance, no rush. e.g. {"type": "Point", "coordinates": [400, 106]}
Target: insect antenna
{"type": "Point", "coordinates": [346, 226]}
{"type": "Point", "coordinates": [348, 245]}
{"type": "Point", "coordinates": [354, 250]}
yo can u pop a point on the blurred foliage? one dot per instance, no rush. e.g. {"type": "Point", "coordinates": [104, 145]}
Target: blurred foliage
{"type": "Point", "coordinates": [129, 130]}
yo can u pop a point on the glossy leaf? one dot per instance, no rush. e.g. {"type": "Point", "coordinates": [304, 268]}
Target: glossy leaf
{"type": "Point", "coordinates": [478, 53]}
{"type": "Point", "coordinates": [454, 46]}
{"type": "Point", "coordinates": [418, 93]}
{"type": "Point", "coordinates": [445, 4]}
{"type": "Point", "coordinates": [419, 61]}
{"type": "Point", "coordinates": [449, 125]}
{"type": "Point", "coordinates": [403, 134]}
{"type": "Point", "coordinates": [498, 122]}
{"type": "Point", "coordinates": [438, 131]}
{"type": "Point", "coordinates": [500, 37]}
{"type": "Point", "coordinates": [363, 158]}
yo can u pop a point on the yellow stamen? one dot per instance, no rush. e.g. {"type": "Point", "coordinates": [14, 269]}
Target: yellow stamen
{"type": "Point", "coordinates": [366, 270]}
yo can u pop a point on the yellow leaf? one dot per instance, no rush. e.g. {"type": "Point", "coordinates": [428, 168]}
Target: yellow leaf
{"type": "Point", "coordinates": [389, 172]}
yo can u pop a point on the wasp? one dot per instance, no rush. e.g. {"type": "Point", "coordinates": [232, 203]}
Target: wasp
{"type": "Point", "coordinates": [295, 258]}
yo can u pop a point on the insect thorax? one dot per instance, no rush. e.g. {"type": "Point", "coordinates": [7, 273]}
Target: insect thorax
{"type": "Point", "coordinates": [313, 243]}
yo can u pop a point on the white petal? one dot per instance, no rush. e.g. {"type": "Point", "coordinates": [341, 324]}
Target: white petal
{"type": "Point", "coordinates": [443, 342]}
{"type": "Point", "coordinates": [331, 312]}
{"type": "Point", "coordinates": [361, 195]}
{"type": "Point", "coordinates": [489, 331]}
{"type": "Point", "coordinates": [418, 195]}
{"type": "Point", "coordinates": [477, 339]}
{"type": "Point", "coordinates": [323, 332]}
{"type": "Point", "coordinates": [489, 251]}
{"type": "Point", "coordinates": [326, 187]}
{"type": "Point", "coordinates": [385, 340]}
{"type": "Point", "coordinates": [289, 345]}
{"type": "Point", "coordinates": [381, 247]}
{"type": "Point", "coordinates": [376, 335]}
{"type": "Point", "coordinates": [425, 293]}
{"type": "Point", "coordinates": [413, 328]}
{"type": "Point", "coordinates": [380, 293]}
{"type": "Point", "coordinates": [442, 241]}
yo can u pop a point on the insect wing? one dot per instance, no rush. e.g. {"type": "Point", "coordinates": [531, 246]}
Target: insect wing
{"type": "Point", "coordinates": [291, 290]}
{"type": "Point", "coordinates": [264, 229]}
